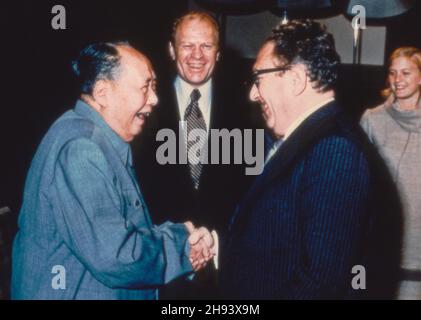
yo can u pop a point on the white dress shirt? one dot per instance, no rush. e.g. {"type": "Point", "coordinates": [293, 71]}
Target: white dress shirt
{"type": "Point", "coordinates": [183, 91]}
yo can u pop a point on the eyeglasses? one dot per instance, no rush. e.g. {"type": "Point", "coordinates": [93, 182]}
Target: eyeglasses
{"type": "Point", "coordinates": [254, 79]}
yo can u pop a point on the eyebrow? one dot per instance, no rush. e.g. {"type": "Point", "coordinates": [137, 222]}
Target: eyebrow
{"type": "Point", "coordinates": [403, 69]}
{"type": "Point", "coordinates": [147, 80]}
{"type": "Point", "coordinates": [189, 42]}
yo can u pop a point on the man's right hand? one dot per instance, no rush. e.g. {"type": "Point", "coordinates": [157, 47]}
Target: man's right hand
{"type": "Point", "coordinates": [202, 246]}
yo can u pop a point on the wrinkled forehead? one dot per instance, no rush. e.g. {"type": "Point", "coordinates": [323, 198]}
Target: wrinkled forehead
{"type": "Point", "coordinates": [266, 57]}
{"type": "Point", "coordinates": [196, 25]}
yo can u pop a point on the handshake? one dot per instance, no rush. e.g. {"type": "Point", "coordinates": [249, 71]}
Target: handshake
{"type": "Point", "coordinates": [203, 245]}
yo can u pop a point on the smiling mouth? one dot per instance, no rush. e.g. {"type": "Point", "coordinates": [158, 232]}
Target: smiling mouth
{"type": "Point", "coordinates": [143, 115]}
{"type": "Point", "coordinates": [399, 87]}
{"type": "Point", "coordinates": [265, 108]}
{"type": "Point", "coordinates": [196, 66]}
{"type": "Point", "coordinates": [265, 112]}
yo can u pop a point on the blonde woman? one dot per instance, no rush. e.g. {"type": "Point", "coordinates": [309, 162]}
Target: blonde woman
{"type": "Point", "coordinates": [395, 128]}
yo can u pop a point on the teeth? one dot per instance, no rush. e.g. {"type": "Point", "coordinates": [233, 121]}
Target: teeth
{"type": "Point", "coordinates": [143, 114]}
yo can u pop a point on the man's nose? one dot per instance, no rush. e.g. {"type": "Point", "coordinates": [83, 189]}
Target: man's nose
{"type": "Point", "coordinates": [153, 98]}
{"type": "Point", "coordinates": [254, 93]}
{"type": "Point", "coordinates": [197, 52]}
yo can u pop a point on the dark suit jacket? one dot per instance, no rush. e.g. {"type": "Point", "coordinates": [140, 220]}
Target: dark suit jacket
{"type": "Point", "coordinates": [323, 204]}
{"type": "Point", "coordinates": [168, 189]}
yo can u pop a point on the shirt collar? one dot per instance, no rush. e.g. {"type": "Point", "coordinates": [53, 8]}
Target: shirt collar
{"type": "Point", "coordinates": [184, 91]}
{"type": "Point", "coordinates": [274, 146]}
{"type": "Point", "coordinates": [303, 117]}
{"type": "Point", "coordinates": [122, 147]}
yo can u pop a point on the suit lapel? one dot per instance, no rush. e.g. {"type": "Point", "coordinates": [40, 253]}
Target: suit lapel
{"type": "Point", "coordinates": [172, 112]}
{"type": "Point", "coordinates": [291, 151]}
{"type": "Point", "coordinates": [215, 122]}
{"type": "Point", "coordinates": [300, 141]}
{"type": "Point", "coordinates": [216, 117]}
{"type": "Point", "coordinates": [170, 119]}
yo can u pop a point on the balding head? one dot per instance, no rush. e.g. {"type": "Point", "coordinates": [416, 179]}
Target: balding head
{"type": "Point", "coordinates": [97, 61]}
{"type": "Point", "coordinates": [120, 87]}
{"type": "Point", "coordinates": [196, 16]}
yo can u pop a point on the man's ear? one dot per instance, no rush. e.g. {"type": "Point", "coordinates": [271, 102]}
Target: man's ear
{"type": "Point", "coordinates": [100, 92]}
{"type": "Point", "coordinates": [299, 78]}
{"type": "Point", "coordinates": [171, 50]}
{"type": "Point", "coordinates": [217, 56]}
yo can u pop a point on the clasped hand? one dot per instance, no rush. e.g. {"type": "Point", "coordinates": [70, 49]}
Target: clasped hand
{"type": "Point", "coordinates": [203, 246]}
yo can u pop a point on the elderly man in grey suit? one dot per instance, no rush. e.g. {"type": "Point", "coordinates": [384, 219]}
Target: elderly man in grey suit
{"type": "Point", "coordinates": [84, 229]}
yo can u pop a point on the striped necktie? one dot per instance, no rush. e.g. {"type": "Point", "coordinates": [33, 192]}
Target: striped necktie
{"type": "Point", "coordinates": [194, 119]}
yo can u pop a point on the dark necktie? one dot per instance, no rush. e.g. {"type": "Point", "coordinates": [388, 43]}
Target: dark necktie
{"type": "Point", "coordinates": [194, 120]}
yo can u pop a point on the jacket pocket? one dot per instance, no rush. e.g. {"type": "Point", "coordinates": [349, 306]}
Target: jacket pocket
{"type": "Point", "coordinates": [134, 209]}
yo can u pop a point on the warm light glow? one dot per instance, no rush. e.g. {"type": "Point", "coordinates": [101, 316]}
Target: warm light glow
{"type": "Point", "coordinates": [285, 19]}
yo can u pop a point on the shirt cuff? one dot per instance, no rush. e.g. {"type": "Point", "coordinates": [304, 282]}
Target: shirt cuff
{"type": "Point", "coordinates": [216, 245]}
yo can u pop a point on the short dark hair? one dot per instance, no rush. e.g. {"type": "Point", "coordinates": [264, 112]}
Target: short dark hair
{"type": "Point", "coordinates": [97, 61]}
{"type": "Point", "coordinates": [306, 41]}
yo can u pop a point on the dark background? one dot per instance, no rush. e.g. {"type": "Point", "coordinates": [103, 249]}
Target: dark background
{"type": "Point", "coordinates": [37, 85]}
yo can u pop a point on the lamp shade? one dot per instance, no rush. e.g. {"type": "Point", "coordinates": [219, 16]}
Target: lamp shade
{"type": "Point", "coordinates": [382, 8]}
{"type": "Point", "coordinates": [229, 2]}
{"type": "Point", "coordinates": [303, 4]}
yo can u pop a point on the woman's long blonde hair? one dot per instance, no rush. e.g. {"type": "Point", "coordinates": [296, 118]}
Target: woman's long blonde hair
{"type": "Point", "coordinates": [408, 52]}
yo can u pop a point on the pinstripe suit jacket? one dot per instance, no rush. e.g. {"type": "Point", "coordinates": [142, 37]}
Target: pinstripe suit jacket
{"type": "Point", "coordinates": [314, 213]}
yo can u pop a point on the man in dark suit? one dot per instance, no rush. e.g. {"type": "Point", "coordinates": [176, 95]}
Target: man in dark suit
{"type": "Point", "coordinates": [196, 98]}
{"type": "Point", "coordinates": [321, 208]}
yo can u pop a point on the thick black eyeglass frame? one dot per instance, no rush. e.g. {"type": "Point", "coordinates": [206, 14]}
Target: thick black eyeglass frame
{"type": "Point", "coordinates": [253, 79]}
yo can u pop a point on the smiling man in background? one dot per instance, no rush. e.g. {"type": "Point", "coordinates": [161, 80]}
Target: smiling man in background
{"type": "Point", "coordinates": [199, 97]}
